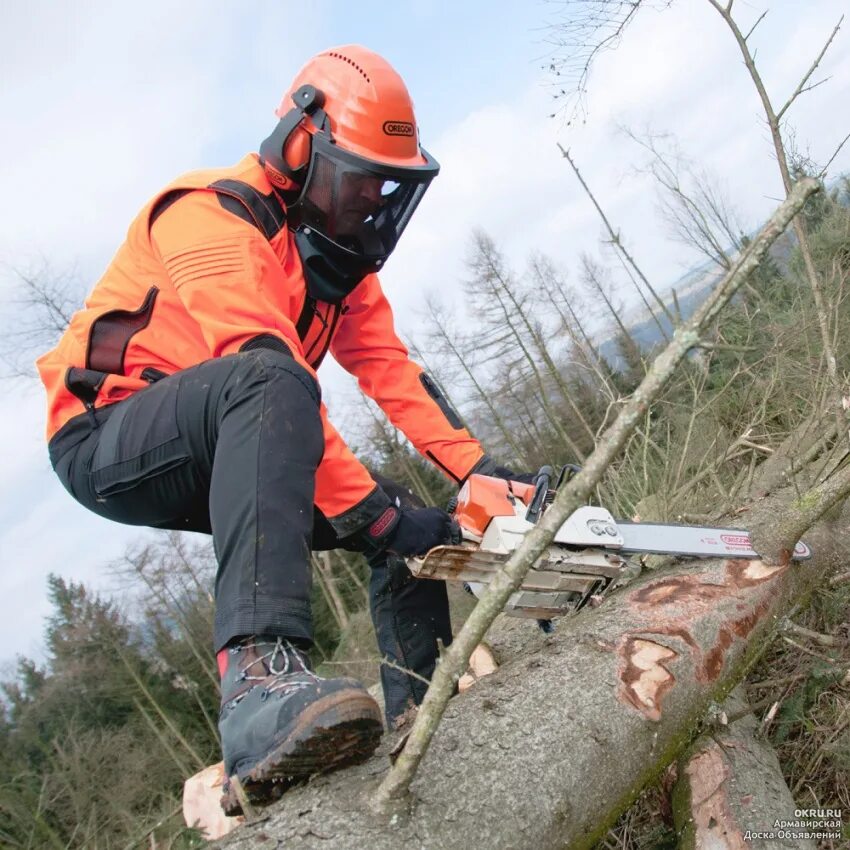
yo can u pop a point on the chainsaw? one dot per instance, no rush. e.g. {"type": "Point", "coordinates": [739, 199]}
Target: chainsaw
{"type": "Point", "coordinates": [591, 554]}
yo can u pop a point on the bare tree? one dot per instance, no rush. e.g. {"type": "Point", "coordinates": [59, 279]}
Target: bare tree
{"type": "Point", "coordinates": [628, 262]}
{"type": "Point", "coordinates": [774, 122]}
{"type": "Point", "coordinates": [502, 307]}
{"type": "Point", "coordinates": [442, 336]}
{"type": "Point", "coordinates": [39, 310]}
{"type": "Point", "coordinates": [589, 370]}
{"type": "Point", "coordinates": [594, 279]}
{"type": "Point", "coordinates": [692, 203]}
{"type": "Point", "coordinates": [578, 33]}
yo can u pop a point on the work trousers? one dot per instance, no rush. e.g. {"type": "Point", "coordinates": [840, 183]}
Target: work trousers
{"type": "Point", "coordinates": [230, 448]}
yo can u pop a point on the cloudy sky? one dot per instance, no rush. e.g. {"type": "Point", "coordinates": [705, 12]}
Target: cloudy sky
{"type": "Point", "coordinates": [105, 102]}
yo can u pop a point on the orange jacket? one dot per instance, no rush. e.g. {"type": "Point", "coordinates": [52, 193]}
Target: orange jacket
{"type": "Point", "coordinates": [208, 265]}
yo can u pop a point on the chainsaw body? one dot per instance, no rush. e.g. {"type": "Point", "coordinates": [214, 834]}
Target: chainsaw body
{"type": "Point", "coordinates": [581, 564]}
{"type": "Point", "coordinates": [590, 554]}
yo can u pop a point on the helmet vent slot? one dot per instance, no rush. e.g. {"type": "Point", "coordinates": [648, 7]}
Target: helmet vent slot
{"type": "Point", "coordinates": [352, 63]}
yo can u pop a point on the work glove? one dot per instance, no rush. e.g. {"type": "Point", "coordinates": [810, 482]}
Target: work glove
{"type": "Point", "coordinates": [487, 466]}
{"type": "Point", "coordinates": [510, 475]}
{"type": "Point", "coordinates": [410, 532]}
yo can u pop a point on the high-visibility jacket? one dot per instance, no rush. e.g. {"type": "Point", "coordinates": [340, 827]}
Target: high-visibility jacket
{"type": "Point", "coordinates": [209, 266]}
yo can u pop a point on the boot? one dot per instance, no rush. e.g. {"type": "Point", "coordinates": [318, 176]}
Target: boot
{"type": "Point", "coordinates": [281, 723]}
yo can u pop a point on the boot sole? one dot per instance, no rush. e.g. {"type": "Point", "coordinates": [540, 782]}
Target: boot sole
{"type": "Point", "coordinates": [341, 729]}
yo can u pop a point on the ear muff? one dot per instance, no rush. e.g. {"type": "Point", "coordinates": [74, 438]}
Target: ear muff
{"type": "Point", "coordinates": [286, 152]}
{"type": "Point", "coordinates": [296, 149]}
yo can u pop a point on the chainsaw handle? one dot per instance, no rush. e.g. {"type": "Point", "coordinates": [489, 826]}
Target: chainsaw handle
{"type": "Point", "coordinates": [541, 487]}
{"type": "Point", "coordinates": [568, 470]}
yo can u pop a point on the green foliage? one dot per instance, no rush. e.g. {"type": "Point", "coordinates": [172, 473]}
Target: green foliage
{"type": "Point", "coordinates": [794, 716]}
{"type": "Point", "coordinates": [89, 755]}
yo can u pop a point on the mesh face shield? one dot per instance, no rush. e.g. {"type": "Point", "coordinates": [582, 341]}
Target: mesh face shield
{"type": "Point", "coordinates": [359, 206]}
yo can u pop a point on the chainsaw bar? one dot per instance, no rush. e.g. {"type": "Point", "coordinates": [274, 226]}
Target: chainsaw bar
{"type": "Point", "coordinates": [562, 582]}
{"type": "Point", "coordinates": [691, 541]}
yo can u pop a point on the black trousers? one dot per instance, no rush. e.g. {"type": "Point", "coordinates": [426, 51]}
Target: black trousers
{"type": "Point", "coordinates": [230, 448]}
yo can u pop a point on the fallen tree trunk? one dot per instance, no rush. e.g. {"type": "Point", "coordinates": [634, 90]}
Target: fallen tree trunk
{"type": "Point", "coordinates": [550, 749]}
{"type": "Point", "coordinates": [730, 789]}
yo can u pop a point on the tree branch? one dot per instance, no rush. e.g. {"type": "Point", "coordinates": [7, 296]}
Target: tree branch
{"type": "Point", "coordinates": [753, 27]}
{"type": "Point", "coordinates": [835, 154]}
{"type": "Point", "coordinates": [570, 497]}
{"type": "Point", "coordinates": [615, 239]}
{"type": "Point", "coordinates": [802, 85]}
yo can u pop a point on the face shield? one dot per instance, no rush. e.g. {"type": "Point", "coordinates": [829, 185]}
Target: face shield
{"type": "Point", "coordinates": [359, 206]}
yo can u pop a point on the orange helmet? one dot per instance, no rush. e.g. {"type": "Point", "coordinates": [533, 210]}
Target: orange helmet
{"type": "Point", "coordinates": [347, 149]}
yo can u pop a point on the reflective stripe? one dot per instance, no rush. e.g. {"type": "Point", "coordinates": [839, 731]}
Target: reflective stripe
{"type": "Point", "coordinates": [305, 319]}
{"type": "Point", "coordinates": [442, 402]}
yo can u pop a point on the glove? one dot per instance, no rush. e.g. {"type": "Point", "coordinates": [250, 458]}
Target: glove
{"type": "Point", "coordinates": [510, 475]}
{"type": "Point", "coordinates": [410, 532]}
{"type": "Point", "coordinates": [487, 466]}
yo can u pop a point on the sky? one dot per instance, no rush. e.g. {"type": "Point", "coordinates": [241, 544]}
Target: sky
{"type": "Point", "coordinates": [103, 103]}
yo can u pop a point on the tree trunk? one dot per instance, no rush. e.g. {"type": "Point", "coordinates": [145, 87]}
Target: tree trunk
{"type": "Point", "coordinates": [730, 788]}
{"type": "Point", "coordinates": [550, 749]}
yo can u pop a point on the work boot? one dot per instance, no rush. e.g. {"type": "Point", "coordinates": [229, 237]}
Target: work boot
{"type": "Point", "coordinates": [280, 722]}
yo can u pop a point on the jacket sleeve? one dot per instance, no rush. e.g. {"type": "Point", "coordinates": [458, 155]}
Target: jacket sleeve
{"type": "Point", "coordinates": [240, 292]}
{"type": "Point", "coordinates": [366, 345]}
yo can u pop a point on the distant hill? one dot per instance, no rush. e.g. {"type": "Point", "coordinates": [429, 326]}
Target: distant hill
{"type": "Point", "coordinates": [692, 288]}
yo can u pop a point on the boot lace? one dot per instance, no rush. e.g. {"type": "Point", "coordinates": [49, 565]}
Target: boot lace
{"type": "Point", "coordinates": [282, 660]}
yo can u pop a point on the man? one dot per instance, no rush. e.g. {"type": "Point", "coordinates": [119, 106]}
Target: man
{"type": "Point", "coordinates": [185, 396]}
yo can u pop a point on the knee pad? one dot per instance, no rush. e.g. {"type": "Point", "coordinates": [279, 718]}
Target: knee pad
{"type": "Point", "coordinates": [275, 359]}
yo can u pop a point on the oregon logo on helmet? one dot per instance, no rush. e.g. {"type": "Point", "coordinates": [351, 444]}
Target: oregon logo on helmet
{"type": "Point", "coordinates": [398, 128]}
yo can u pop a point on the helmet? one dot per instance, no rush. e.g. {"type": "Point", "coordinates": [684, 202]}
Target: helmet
{"type": "Point", "coordinates": [346, 152]}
